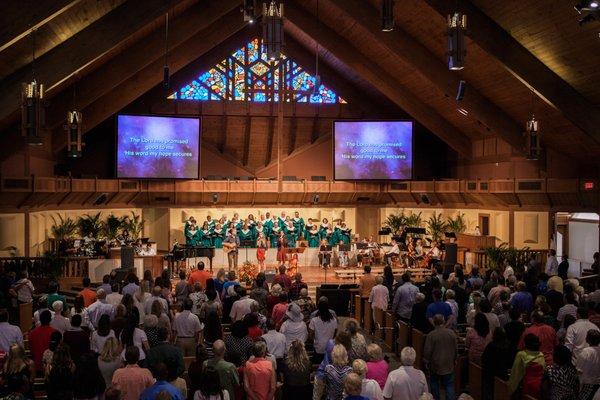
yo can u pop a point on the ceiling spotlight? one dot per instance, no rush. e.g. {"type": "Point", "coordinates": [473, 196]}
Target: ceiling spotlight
{"type": "Point", "coordinates": [273, 30]}
{"type": "Point", "coordinates": [457, 50]}
{"type": "Point", "coordinates": [463, 111]}
{"type": "Point", "coordinates": [387, 15]}
{"type": "Point", "coordinates": [587, 5]}
{"type": "Point", "coordinates": [248, 10]}
{"type": "Point", "coordinates": [215, 198]}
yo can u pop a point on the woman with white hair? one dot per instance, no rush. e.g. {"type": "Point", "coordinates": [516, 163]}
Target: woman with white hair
{"type": "Point", "coordinates": [370, 388]}
{"type": "Point", "coordinates": [406, 382]}
{"type": "Point", "coordinates": [59, 322]}
{"type": "Point", "coordinates": [336, 372]}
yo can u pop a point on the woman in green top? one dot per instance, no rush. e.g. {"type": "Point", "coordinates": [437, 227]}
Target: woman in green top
{"type": "Point", "coordinates": [313, 236]}
{"type": "Point", "coordinates": [245, 234]}
{"type": "Point", "coordinates": [274, 234]}
{"type": "Point", "coordinates": [218, 236]}
{"type": "Point", "coordinates": [528, 368]}
{"type": "Point", "coordinates": [298, 223]}
{"type": "Point", "coordinates": [291, 234]}
{"type": "Point", "coordinates": [343, 234]}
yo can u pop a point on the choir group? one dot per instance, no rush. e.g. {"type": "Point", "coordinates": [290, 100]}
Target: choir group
{"type": "Point", "coordinates": [212, 232]}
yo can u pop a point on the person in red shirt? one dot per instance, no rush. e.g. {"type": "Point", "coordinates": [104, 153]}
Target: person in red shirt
{"type": "Point", "coordinates": [259, 375]}
{"type": "Point", "coordinates": [39, 339]}
{"type": "Point", "coordinates": [280, 309]}
{"type": "Point", "coordinates": [545, 333]}
{"type": "Point", "coordinates": [89, 295]}
{"type": "Point", "coordinates": [199, 276]}
{"type": "Point", "coordinates": [282, 279]}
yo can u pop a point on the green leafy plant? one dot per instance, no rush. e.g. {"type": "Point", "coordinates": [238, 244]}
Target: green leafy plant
{"type": "Point", "coordinates": [456, 225]}
{"type": "Point", "coordinates": [436, 225]}
{"type": "Point", "coordinates": [63, 228]}
{"type": "Point", "coordinates": [414, 220]}
{"type": "Point", "coordinates": [395, 222]}
{"type": "Point", "coordinates": [134, 225]}
{"type": "Point", "coordinates": [90, 225]}
{"type": "Point", "coordinates": [112, 226]}
{"type": "Point", "coordinates": [516, 258]}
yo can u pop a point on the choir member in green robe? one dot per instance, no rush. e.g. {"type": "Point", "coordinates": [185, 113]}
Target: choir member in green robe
{"type": "Point", "coordinates": [268, 224]}
{"type": "Point", "coordinates": [282, 220]}
{"type": "Point", "coordinates": [313, 236]}
{"type": "Point", "coordinates": [218, 235]}
{"type": "Point", "coordinates": [205, 235]}
{"type": "Point", "coordinates": [343, 234]}
{"type": "Point", "coordinates": [308, 227]}
{"type": "Point", "coordinates": [298, 223]}
{"type": "Point", "coordinates": [291, 234]}
{"type": "Point", "coordinates": [211, 222]}
{"type": "Point", "coordinates": [191, 232]}
{"type": "Point", "coordinates": [324, 227]}
{"type": "Point", "coordinates": [251, 222]}
{"type": "Point", "coordinates": [246, 234]}
{"type": "Point", "coordinates": [258, 230]}
{"type": "Point", "coordinates": [224, 222]}
{"type": "Point", "coordinates": [274, 234]}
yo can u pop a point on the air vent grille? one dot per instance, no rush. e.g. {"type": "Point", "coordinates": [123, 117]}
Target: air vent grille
{"type": "Point", "coordinates": [483, 186]}
{"type": "Point", "coordinates": [399, 186]}
{"type": "Point", "coordinates": [12, 183]}
{"type": "Point", "coordinates": [129, 185]}
{"type": "Point", "coordinates": [530, 185]}
{"type": "Point", "coordinates": [472, 185]}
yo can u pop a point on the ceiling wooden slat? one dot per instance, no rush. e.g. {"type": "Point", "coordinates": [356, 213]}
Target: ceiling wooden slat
{"type": "Point", "coordinates": [519, 61]}
{"type": "Point", "coordinates": [152, 75]}
{"type": "Point", "coordinates": [83, 48]}
{"type": "Point", "coordinates": [426, 63]}
{"type": "Point", "coordinates": [134, 58]}
{"type": "Point", "coordinates": [298, 18]}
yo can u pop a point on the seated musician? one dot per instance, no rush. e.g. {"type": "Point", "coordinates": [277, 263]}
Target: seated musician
{"type": "Point", "coordinates": [394, 252]}
{"type": "Point", "coordinates": [324, 254]}
{"type": "Point", "coordinates": [419, 248]}
{"type": "Point", "coordinates": [435, 254]}
{"type": "Point", "coordinates": [231, 244]}
{"type": "Point", "coordinates": [342, 255]}
{"type": "Point", "coordinates": [148, 250]}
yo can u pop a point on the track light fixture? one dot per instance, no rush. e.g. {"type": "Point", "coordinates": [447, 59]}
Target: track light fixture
{"type": "Point", "coordinates": [273, 30]}
{"type": "Point", "coordinates": [32, 105]}
{"type": "Point", "coordinates": [387, 15]}
{"type": "Point", "coordinates": [248, 9]}
{"type": "Point", "coordinates": [587, 5]}
{"type": "Point", "coordinates": [457, 50]}
{"type": "Point", "coordinates": [73, 128]}
{"type": "Point", "coordinates": [533, 139]}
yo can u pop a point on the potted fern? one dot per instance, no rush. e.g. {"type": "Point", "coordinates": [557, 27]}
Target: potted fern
{"type": "Point", "coordinates": [436, 225]}
{"type": "Point", "coordinates": [112, 227]}
{"type": "Point", "coordinates": [456, 225]}
{"type": "Point", "coordinates": [90, 225]}
{"type": "Point", "coordinates": [134, 225]}
{"type": "Point", "coordinates": [395, 222]}
{"type": "Point", "coordinates": [63, 230]}
{"type": "Point", "coordinates": [414, 220]}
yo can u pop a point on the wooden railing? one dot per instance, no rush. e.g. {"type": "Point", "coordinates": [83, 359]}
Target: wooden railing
{"type": "Point", "coordinates": [47, 267]}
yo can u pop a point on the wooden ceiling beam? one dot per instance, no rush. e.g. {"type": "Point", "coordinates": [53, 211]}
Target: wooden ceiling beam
{"type": "Point", "coordinates": [402, 45]}
{"type": "Point", "coordinates": [80, 50]}
{"type": "Point", "coordinates": [150, 76]}
{"type": "Point", "coordinates": [498, 43]}
{"type": "Point", "coordinates": [134, 58]}
{"type": "Point", "coordinates": [18, 18]}
{"type": "Point", "coordinates": [377, 77]}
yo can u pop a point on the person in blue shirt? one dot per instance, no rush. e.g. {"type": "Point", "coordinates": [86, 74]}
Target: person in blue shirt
{"type": "Point", "coordinates": [161, 374]}
{"type": "Point", "coordinates": [522, 300]}
{"type": "Point", "coordinates": [439, 307]}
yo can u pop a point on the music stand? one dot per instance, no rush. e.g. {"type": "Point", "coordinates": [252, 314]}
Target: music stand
{"type": "Point", "coordinates": [246, 243]}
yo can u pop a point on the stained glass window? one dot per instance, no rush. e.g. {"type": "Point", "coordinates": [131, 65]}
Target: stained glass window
{"type": "Point", "coordinates": [247, 74]}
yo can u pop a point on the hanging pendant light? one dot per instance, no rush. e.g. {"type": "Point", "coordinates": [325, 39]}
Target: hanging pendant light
{"type": "Point", "coordinates": [533, 147]}
{"type": "Point", "coordinates": [32, 105]}
{"type": "Point", "coordinates": [387, 15]}
{"type": "Point", "coordinates": [273, 30]}
{"type": "Point", "coordinates": [248, 11]}
{"type": "Point", "coordinates": [74, 135]}
{"type": "Point", "coordinates": [457, 50]}
{"type": "Point", "coordinates": [166, 75]}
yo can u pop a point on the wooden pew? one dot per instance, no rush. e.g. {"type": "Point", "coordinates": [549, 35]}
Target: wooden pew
{"type": "Point", "coordinates": [25, 317]}
{"type": "Point", "coordinates": [367, 316]}
{"type": "Point", "coordinates": [404, 335]}
{"type": "Point", "coordinates": [500, 389]}
{"type": "Point", "coordinates": [475, 381]}
{"type": "Point", "coordinates": [379, 317]}
{"type": "Point", "coordinates": [418, 343]}
{"type": "Point", "coordinates": [357, 308]}
{"type": "Point", "coordinates": [389, 330]}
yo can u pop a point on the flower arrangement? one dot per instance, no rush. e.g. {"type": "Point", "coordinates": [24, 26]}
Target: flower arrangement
{"type": "Point", "coordinates": [248, 273]}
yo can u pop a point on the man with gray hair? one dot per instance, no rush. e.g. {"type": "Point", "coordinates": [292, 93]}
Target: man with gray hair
{"type": "Point", "coordinates": [99, 308]}
{"type": "Point", "coordinates": [306, 304]}
{"type": "Point", "coordinates": [227, 371]}
{"type": "Point", "coordinates": [156, 295]}
{"type": "Point", "coordinates": [406, 382]}
{"type": "Point", "coordinates": [439, 355]}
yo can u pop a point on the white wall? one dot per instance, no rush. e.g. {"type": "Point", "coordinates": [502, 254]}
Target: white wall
{"type": "Point", "coordinates": [583, 240]}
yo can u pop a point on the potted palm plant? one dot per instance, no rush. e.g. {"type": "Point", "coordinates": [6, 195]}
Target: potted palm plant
{"type": "Point", "coordinates": [90, 225]}
{"type": "Point", "coordinates": [414, 220]}
{"type": "Point", "coordinates": [436, 225]}
{"type": "Point", "coordinates": [395, 222]}
{"type": "Point", "coordinates": [134, 225]}
{"type": "Point", "coordinates": [456, 225]}
{"type": "Point", "coordinates": [63, 230]}
{"type": "Point", "coordinates": [112, 226]}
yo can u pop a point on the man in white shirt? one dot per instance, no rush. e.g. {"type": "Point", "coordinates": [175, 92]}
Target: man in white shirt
{"type": "Point", "coordinates": [99, 308]}
{"type": "Point", "coordinates": [380, 295]}
{"type": "Point", "coordinates": [114, 298]}
{"type": "Point", "coordinates": [575, 338]}
{"type": "Point", "coordinates": [241, 307]}
{"type": "Point", "coordinates": [394, 251]}
{"type": "Point", "coordinates": [11, 334]}
{"type": "Point", "coordinates": [188, 329]}
{"type": "Point", "coordinates": [59, 322]}
{"type": "Point", "coordinates": [406, 382]}
{"type": "Point", "coordinates": [156, 295]}
{"type": "Point", "coordinates": [275, 341]}
{"type": "Point", "coordinates": [551, 263]}
{"type": "Point", "coordinates": [588, 365]}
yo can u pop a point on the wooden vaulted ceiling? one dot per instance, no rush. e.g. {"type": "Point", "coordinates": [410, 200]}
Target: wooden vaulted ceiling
{"type": "Point", "coordinates": [521, 58]}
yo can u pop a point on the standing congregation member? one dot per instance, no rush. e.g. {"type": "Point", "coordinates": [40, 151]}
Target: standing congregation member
{"type": "Point", "coordinates": [406, 382]}
{"type": "Point", "coordinates": [9, 334]}
{"type": "Point", "coordinates": [575, 339]}
{"type": "Point", "coordinates": [440, 354]}
{"type": "Point", "coordinates": [259, 375]}
{"type": "Point", "coordinates": [405, 298]}
{"type": "Point", "coordinates": [39, 339]}
{"type": "Point", "coordinates": [379, 296]}
{"type": "Point", "coordinates": [323, 328]}
{"type": "Point", "coordinates": [227, 371]}
{"type": "Point", "coordinates": [199, 275]}
{"type": "Point", "coordinates": [296, 373]}
{"type": "Point", "coordinates": [366, 282]}
{"type": "Point", "coordinates": [188, 329]}
{"type": "Point", "coordinates": [588, 366]}
{"type": "Point", "coordinates": [99, 308]}
{"type": "Point", "coordinates": [155, 392]}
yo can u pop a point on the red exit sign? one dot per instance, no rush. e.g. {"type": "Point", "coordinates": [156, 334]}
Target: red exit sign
{"type": "Point", "coordinates": [588, 185]}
